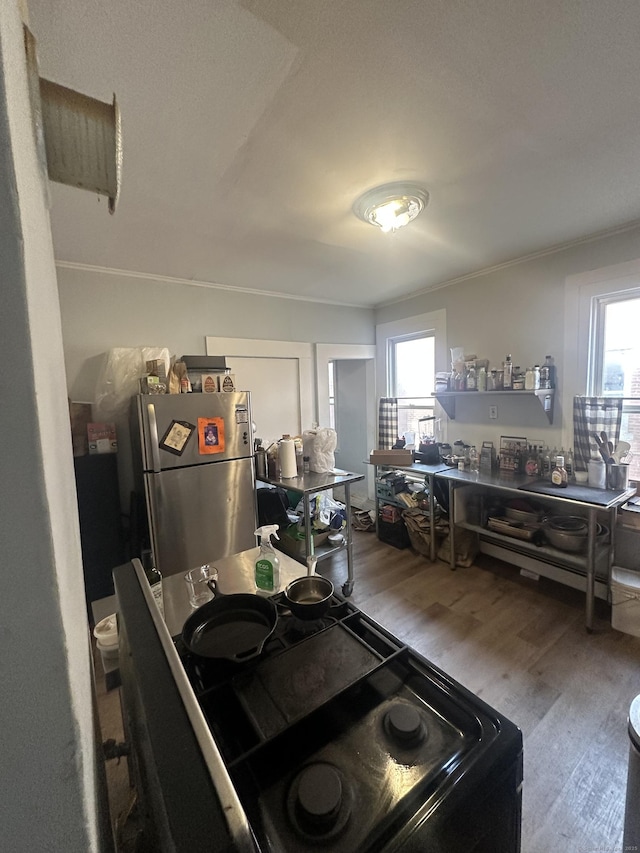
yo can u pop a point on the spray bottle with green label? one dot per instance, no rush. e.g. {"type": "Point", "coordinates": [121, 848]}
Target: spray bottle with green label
{"type": "Point", "coordinates": [267, 564]}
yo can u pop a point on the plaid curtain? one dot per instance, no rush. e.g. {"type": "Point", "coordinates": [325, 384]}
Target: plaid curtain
{"type": "Point", "coordinates": [594, 415]}
{"type": "Point", "coordinates": [387, 422]}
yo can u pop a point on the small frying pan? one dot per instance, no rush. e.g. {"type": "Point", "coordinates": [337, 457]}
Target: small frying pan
{"type": "Point", "coordinates": [230, 627]}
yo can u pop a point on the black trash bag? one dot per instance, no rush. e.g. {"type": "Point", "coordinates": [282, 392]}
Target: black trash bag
{"type": "Point", "coordinates": [272, 507]}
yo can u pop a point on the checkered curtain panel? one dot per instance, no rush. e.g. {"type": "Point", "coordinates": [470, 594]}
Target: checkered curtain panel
{"type": "Point", "coordinates": [387, 422]}
{"type": "Point", "coordinates": [591, 416]}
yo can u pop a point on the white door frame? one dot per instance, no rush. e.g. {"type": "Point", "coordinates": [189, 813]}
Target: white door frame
{"type": "Point", "coordinates": [299, 350]}
{"type": "Point", "coordinates": [339, 352]}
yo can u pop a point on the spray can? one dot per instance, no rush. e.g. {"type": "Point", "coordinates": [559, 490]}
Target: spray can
{"type": "Point", "coordinates": [267, 569]}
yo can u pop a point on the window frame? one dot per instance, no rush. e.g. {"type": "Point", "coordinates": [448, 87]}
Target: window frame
{"type": "Point", "coordinates": [587, 296]}
{"type": "Point", "coordinates": [599, 305]}
{"type": "Point", "coordinates": [432, 324]}
{"type": "Point", "coordinates": [578, 367]}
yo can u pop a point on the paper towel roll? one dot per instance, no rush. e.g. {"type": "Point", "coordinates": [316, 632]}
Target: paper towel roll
{"type": "Point", "coordinates": [287, 454]}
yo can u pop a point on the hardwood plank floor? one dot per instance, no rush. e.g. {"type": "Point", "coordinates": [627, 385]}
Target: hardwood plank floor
{"type": "Point", "coordinates": [522, 646]}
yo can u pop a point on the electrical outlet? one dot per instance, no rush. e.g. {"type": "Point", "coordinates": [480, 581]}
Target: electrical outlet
{"type": "Point", "coordinates": [493, 412]}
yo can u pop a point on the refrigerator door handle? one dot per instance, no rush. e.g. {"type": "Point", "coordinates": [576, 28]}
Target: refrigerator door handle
{"type": "Point", "coordinates": [153, 436]}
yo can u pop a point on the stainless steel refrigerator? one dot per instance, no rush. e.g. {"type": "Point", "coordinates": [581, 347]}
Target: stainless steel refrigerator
{"type": "Point", "coordinates": [193, 454]}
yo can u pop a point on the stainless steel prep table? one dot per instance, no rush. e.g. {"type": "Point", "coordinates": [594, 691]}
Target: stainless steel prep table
{"type": "Point", "coordinates": [309, 484]}
{"type": "Point", "coordinates": [573, 496]}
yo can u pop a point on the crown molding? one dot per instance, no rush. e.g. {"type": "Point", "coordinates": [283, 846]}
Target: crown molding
{"type": "Point", "coordinates": [542, 253]}
{"type": "Point", "coordinates": [181, 282]}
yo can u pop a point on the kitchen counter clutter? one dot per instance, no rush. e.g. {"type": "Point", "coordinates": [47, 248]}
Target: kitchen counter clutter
{"type": "Point", "coordinates": [588, 570]}
{"type": "Point", "coordinates": [306, 485]}
{"type": "Point", "coordinates": [389, 494]}
{"type": "Point", "coordinates": [506, 510]}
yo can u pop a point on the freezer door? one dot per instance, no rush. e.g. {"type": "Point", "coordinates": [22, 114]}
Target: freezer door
{"type": "Point", "coordinates": [156, 414]}
{"type": "Point", "coordinates": [201, 514]}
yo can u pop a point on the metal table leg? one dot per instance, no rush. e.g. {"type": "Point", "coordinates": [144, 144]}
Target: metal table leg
{"type": "Point", "coordinates": [432, 519]}
{"type": "Point", "coordinates": [308, 535]}
{"type": "Point", "coordinates": [452, 527]}
{"type": "Point", "coordinates": [591, 569]}
{"type": "Point", "coordinates": [347, 587]}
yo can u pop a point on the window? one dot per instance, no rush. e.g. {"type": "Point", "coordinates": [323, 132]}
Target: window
{"type": "Point", "coordinates": [614, 360]}
{"type": "Point", "coordinates": [411, 361]}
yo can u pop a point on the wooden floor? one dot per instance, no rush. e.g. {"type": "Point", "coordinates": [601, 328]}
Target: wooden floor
{"type": "Point", "coordinates": [521, 645]}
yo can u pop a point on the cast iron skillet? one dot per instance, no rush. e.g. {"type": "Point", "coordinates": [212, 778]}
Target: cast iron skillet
{"type": "Point", "coordinates": [230, 627]}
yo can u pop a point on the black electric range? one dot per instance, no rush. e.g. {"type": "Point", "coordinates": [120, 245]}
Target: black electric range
{"type": "Point", "coordinates": [339, 737]}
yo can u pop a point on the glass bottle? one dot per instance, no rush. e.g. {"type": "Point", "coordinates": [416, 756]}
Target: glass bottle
{"type": "Point", "coordinates": [155, 582]}
{"type": "Point", "coordinates": [546, 463]}
{"type": "Point", "coordinates": [551, 371]}
{"type": "Point", "coordinates": [482, 379]}
{"type": "Point", "coordinates": [518, 377]}
{"type": "Point", "coordinates": [569, 464]}
{"type": "Point", "coordinates": [507, 376]}
{"type": "Point", "coordinates": [528, 379]}
{"type": "Point", "coordinates": [471, 379]}
{"type": "Point", "coordinates": [536, 377]}
{"type": "Point", "coordinates": [559, 473]}
{"type": "Point", "coordinates": [474, 462]}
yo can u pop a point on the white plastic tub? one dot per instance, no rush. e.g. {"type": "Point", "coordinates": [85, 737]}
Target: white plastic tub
{"type": "Point", "coordinates": [106, 634]}
{"type": "Point", "coordinates": [625, 600]}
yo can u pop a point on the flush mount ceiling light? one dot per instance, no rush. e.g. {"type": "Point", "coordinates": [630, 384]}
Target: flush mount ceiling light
{"type": "Point", "coordinates": [391, 206]}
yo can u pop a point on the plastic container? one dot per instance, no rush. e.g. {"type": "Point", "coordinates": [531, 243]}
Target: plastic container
{"type": "Point", "coordinates": [106, 634]}
{"type": "Point", "coordinates": [597, 473]}
{"type": "Point", "coordinates": [625, 600]}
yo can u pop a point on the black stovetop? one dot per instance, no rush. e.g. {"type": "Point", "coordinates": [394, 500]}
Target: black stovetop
{"type": "Point", "coordinates": [338, 738]}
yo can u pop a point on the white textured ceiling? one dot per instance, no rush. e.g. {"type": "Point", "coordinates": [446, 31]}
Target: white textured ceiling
{"type": "Point", "coordinates": [250, 126]}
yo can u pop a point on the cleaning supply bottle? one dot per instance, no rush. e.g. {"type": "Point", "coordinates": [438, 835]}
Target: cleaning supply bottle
{"type": "Point", "coordinates": [267, 571]}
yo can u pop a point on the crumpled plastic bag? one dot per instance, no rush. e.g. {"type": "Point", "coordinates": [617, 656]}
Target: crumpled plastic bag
{"type": "Point", "coordinates": [118, 380]}
{"type": "Point", "coordinates": [324, 512]}
{"type": "Point", "coordinates": [320, 445]}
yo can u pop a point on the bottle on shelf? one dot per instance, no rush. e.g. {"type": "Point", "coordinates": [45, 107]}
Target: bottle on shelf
{"type": "Point", "coordinates": [459, 381]}
{"type": "Point", "coordinates": [474, 461]}
{"type": "Point", "coordinates": [518, 378]}
{"type": "Point", "coordinates": [554, 456]}
{"type": "Point", "coordinates": [559, 474]}
{"type": "Point", "coordinates": [529, 379]}
{"type": "Point", "coordinates": [546, 463]}
{"type": "Point", "coordinates": [482, 379]}
{"type": "Point", "coordinates": [507, 375]}
{"type": "Point", "coordinates": [471, 379]}
{"type": "Point", "coordinates": [155, 582]}
{"type": "Point", "coordinates": [536, 377]}
{"type": "Point", "coordinates": [548, 373]}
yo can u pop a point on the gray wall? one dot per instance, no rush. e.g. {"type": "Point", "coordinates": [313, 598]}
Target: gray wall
{"type": "Point", "coordinates": [102, 310]}
{"type": "Point", "coordinates": [517, 309]}
{"type": "Point", "coordinates": [47, 770]}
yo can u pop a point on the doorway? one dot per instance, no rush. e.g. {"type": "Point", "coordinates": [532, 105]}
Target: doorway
{"type": "Point", "coordinates": [353, 368]}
